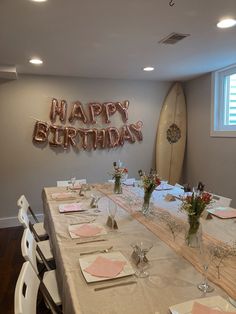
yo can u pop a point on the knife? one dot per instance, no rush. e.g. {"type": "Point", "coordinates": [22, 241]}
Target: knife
{"type": "Point", "coordinates": [90, 241]}
{"type": "Point", "coordinates": [116, 285]}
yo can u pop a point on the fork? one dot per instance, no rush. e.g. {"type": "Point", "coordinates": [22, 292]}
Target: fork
{"type": "Point", "coordinates": [97, 251]}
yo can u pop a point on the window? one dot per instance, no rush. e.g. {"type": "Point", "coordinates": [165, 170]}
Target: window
{"type": "Point", "coordinates": [224, 102]}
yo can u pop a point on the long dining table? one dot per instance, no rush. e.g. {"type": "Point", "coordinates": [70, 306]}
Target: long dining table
{"type": "Point", "coordinates": [174, 269]}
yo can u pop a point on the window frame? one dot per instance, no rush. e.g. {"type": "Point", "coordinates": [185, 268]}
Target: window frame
{"type": "Point", "coordinates": [218, 129]}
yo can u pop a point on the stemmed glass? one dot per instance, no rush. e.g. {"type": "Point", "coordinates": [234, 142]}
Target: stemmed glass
{"type": "Point", "coordinates": [112, 209]}
{"type": "Point", "coordinates": [195, 190]}
{"type": "Point", "coordinates": [94, 202]}
{"type": "Point", "coordinates": [164, 184]}
{"type": "Point", "coordinates": [73, 180]}
{"type": "Point", "coordinates": [205, 259]}
{"type": "Point", "coordinates": [142, 247]}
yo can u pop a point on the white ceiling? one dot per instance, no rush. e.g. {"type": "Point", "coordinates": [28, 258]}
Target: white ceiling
{"type": "Point", "coordinates": [116, 38]}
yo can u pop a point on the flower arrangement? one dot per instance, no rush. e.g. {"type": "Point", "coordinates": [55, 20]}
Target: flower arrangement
{"type": "Point", "coordinates": [118, 174]}
{"type": "Point", "coordinates": [149, 183]}
{"type": "Point", "coordinates": [119, 171]}
{"type": "Point", "coordinates": [194, 205]}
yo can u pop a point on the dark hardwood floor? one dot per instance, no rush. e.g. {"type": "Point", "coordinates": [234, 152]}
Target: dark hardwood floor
{"type": "Point", "coordinates": [11, 261]}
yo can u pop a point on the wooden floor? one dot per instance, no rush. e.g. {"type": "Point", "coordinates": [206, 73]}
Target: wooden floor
{"type": "Point", "coordinates": [11, 261]}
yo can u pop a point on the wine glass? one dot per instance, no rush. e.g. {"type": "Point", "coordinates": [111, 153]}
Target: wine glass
{"type": "Point", "coordinates": [112, 209]}
{"type": "Point", "coordinates": [142, 247]}
{"type": "Point", "coordinates": [124, 177]}
{"type": "Point", "coordinates": [73, 180]}
{"type": "Point", "coordinates": [94, 201]}
{"type": "Point", "coordinates": [164, 184]}
{"type": "Point", "coordinates": [196, 190]}
{"type": "Point", "coordinates": [205, 260]}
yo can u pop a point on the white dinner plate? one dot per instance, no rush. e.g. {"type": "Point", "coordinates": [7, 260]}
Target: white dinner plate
{"type": "Point", "coordinates": [216, 302]}
{"type": "Point", "coordinates": [74, 227]}
{"type": "Point", "coordinates": [115, 256]}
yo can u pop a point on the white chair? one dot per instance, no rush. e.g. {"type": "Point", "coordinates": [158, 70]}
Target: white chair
{"type": "Point", "coordinates": [68, 182]}
{"type": "Point", "coordinates": [26, 292]}
{"type": "Point", "coordinates": [221, 201]}
{"type": "Point", "coordinates": [30, 248]}
{"type": "Point", "coordinates": [37, 228]}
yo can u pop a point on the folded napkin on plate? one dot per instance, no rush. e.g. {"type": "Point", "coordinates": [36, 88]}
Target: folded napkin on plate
{"type": "Point", "coordinates": [104, 267]}
{"type": "Point", "coordinates": [224, 212]}
{"type": "Point", "coordinates": [75, 187]}
{"type": "Point", "coordinates": [74, 207]}
{"type": "Point", "coordinates": [62, 196]}
{"type": "Point", "coordinates": [87, 230]}
{"type": "Point", "coordinates": [203, 309]}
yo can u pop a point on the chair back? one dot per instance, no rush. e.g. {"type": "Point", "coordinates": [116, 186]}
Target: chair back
{"type": "Point", "coordinates": [26, 290]}
{"type": "Point", "coordinates": [28, 248]}
{"type": "Point", "coordinates": [68, 182]}
{"type": "Point", "coordinates": [23, 203]}
{"type": "Point", "coordinates": [23, 218]}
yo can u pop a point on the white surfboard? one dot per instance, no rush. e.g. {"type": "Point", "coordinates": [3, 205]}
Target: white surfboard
{"type": "Point", "coordinates": [171, 135]}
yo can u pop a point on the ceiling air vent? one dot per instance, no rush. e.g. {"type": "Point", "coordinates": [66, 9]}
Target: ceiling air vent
{"type": "Point", "coordinates": [173, 38]}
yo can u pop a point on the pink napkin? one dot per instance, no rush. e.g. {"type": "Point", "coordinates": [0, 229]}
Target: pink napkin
{"type": "Point", "coordinates": [74, 207]}
{"type": "Point", "coordinates": [203, 309]}
{"type": "Point", "coordinates": [103, 267]}
{"type": "Point", "coordinates": [226, 213]}
{"type": "Point", "coordinates": [87, 230]}
{"type": "Point", "coordinates": [62, 196]}
{"type": "Point", "coordinates": [76, 187]}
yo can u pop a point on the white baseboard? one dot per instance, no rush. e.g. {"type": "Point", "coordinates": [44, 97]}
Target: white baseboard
{"type": "Point", "coordinates": [7, 222]}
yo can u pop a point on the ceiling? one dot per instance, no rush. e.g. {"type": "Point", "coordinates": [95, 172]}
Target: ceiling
{"type": "Point", "coordinates": [117, 38]}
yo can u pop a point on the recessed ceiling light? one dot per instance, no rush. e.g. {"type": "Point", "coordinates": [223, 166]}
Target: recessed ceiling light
{"type": "Point", "coordinates": [226, 23]}
{"type": "Point", "coordinates": [148, 69]}
{"type": "Point", "coordinates": [36, 61]}
{"type": "Point", "coordinates": [39, 0]}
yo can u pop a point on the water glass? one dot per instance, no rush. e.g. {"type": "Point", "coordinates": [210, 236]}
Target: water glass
{"type": "Point", "coordinates": [205, 258]}
{"type": "Point", "coordinates": [112, 209]}
{"type": "Point", "coordinates": [142, 247]}
{"type": "Point", "coordinates": [73, 180]}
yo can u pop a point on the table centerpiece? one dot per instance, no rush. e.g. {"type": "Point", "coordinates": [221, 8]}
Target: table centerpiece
{"type": "Point", "coordinates": [118, 174]}
{"type": "Point", "coordinates": [149, 182]}
{"type": "Point", "coordinates": [194, 205]}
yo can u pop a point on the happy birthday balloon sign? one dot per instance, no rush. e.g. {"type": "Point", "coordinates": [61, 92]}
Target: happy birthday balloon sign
{"type": "Point", "coordinates": [87, 138]}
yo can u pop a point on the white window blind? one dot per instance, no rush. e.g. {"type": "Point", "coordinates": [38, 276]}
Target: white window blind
{"type": "Point", "coordinates": [223, 117]}
{"type": "Point", "coordinates": [230, 104]}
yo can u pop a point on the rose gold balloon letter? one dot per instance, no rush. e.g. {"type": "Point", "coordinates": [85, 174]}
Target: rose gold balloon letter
{"type": "Point", "coordinates": [41, 130]}
{"type": "Point", "coordinates": [58, 109]}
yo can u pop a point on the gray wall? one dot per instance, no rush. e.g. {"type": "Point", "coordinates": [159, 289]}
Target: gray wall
{"type": "Point", "coordinates": [208, 159]}
{"type": "Point", "coordinates": [26, 168]}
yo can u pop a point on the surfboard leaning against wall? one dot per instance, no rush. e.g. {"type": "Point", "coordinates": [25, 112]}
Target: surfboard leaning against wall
{"type": "Point", "coordinates": [171, 135]}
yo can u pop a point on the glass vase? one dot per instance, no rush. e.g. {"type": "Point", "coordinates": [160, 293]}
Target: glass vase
{"type": "Point", "coordinates": [194, 233]}
{"type": "Point", "coordinates": [146, 202]}
{"type": "Point", "coordinates": [117, 186]}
